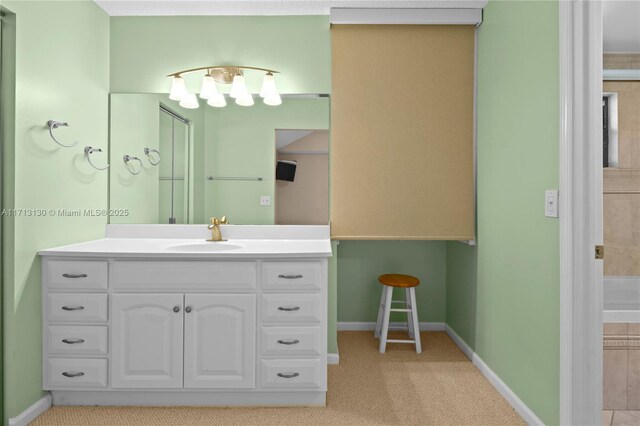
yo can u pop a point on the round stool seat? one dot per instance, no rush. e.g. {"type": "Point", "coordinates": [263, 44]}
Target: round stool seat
{"type": "Point", "coordinates": [399, 280]}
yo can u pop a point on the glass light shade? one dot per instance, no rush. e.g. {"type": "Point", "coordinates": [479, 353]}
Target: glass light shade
{"type": "Point", "coordinates": [217, 101]}
{"type": "Point", "coordinates": [273, 100]}
{"type": "Point", "coordinates": [208, 88]}
{"type": "Point", "coordinates": [189, 101]}
{"type": "Point", "coordinates": [238, 87]}
{"type": "Point", "coordinates": [178, 89]}
{"type": "Point", "coordinates": [269, 89]}
{"type": "Point", "coordinates": [245, 100]}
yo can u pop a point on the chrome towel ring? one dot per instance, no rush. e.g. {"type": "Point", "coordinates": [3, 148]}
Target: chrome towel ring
{"type": "Point", "coordinates": [53, 124]}
{"type": "Point", "coordinates": [148, 151]}
{"type": "Point", "coordinates": [88, 150]}
{"type": "Point", "coordinates": [127, 159]}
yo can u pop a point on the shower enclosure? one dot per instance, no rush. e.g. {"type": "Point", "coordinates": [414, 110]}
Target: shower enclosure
{"type": "Point", "coordinates": [175, 134]}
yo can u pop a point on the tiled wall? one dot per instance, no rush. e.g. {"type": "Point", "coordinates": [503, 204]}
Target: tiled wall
{"type": "Point", "coordinates": [622, 186]}
{"type": "Point", "coordinates": [621, 61]}
{"type": "Point", "coordinates": [621, 366]}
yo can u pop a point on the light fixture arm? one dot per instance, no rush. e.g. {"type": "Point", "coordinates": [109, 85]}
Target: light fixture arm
{"type": "Point", "coordinates": [221, 67]}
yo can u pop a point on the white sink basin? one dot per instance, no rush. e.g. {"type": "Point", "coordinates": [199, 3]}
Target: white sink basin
{"type": "Point", "coordinates": [207, 246]}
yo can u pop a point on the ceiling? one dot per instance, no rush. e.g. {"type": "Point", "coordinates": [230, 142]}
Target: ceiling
{"type": "Point", "coordinates": [287, 137]}
{"type": "Point", "coordinates": [621, 27]}
{"type": "Point", "coordinates": [264, 7]}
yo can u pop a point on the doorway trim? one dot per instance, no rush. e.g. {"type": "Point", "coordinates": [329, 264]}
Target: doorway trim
{"type": "Point", "coordinates": [581, 215]}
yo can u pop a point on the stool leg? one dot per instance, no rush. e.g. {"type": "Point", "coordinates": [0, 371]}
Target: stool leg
{"type": "Point", "coordinates": [407, 298]}
{"type": "Point", "coordinates": [376, 333]}
{"type": "Point", "coordinates": [385, 320]}
{"type": "Point", "coordinates": [416, 324]}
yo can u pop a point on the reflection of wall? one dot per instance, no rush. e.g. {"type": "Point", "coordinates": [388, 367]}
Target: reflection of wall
{"type": "Point", "coordinates": [240, 141]}
{"type": "Point", "coordinates": [134, 126]}
{"type": "Point", "coordinates": [305, 201]}
{"type": "Point", "coordinates": [622, 186]}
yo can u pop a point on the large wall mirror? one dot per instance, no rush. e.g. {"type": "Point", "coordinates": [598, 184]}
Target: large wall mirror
{"type": "Point", "coordinates": [257, 165]}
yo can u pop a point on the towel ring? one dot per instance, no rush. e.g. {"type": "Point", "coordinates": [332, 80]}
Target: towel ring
{"type": "Point", "coordinates": [126, 159]}
{"type": "Point", "coordinates": [88, 150]}
{"type": "Point", "coordinates": [53, 124]}
{"type": "Point", "coordinates": [148, 152]}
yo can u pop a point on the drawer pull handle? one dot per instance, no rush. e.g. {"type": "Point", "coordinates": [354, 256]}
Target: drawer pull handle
{"type": "Point", "coordinates": [176, 309]}
{"type": "Point", "coordinates": [290, 277]}
{"type": "Point", "coordinates": [288, 375]}
{"type": "Point", "coordinates": [73, 374]}
{"type": "Point", "coordinates": [288, 308]}
{"type": "Point", "coordinates": [72, 341]}
{"type": "Point", "coordinates": [75, 275]}
{"type": "Point", "coordinates": [72, 308]}
{"type": "Point", "coordinates": [289, 342]}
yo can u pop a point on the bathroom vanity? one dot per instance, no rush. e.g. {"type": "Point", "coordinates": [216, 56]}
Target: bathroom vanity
{"type": "Point", "coordinates": [156, 315]}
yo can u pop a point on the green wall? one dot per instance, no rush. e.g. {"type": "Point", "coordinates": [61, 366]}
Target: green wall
{"type": "Point", "coordinates": [144, 50]}
{"type": "Point", "coordinates": [240, 141]}
{"type": "Point", "coordinates": [62, 72]}
{"type": "Point", "coordinates": [503, 295]}
{"type": "Point", "coordinates": [361, 262]}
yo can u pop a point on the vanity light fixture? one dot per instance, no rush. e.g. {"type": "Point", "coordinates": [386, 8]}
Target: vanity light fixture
{"type": "Point", "coordinates": [224, 74]}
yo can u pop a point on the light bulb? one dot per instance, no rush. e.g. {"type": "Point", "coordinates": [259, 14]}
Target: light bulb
{"type": "Point", "coordinates": [208, 88]}
{"type": "Point", "coordinates": [273, 100]}
{"type": "Point", "coordinates": [269, 89]}
{"type": "Point", "coordinates": [245, 100]}
{"type": "Point", "coordinates": [178, 89]}
{"type": "Point", "coordinates": [189, 101]}
{"type": "Point", "coordinates": [217, 101]}
{"type": "Point", "coordinates": [238, 87]}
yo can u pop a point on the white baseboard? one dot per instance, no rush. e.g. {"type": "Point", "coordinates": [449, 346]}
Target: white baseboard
{"type": "Point", "coordinates": [32, 412]}
{"type": "Point", "coordinates": [366, 326]}
{"type": "Point", "coordinates": [502, 388]}
{"type": "Point", "coordinates": [333, 359]}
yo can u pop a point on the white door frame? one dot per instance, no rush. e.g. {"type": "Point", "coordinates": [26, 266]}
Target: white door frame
{"type": "Point", "coordinates": [581, 215]}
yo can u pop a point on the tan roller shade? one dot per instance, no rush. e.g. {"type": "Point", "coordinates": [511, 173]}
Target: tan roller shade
{"type": "Point", "coordinates": [402, 132]}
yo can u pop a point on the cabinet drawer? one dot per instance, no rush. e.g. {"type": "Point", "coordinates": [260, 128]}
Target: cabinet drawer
{"type": "Point", "coordinates": [291, 341]}
{"type": "Point", "coordinates": [76, 372]}
{"type": "Point", "coordinates": [77, 307]}
{"type": "Point", "coordinates": [77, 274]}
{"type": "Point", "coordinates": [291, 308]}
{"type": "Point", "coordinates": [293, 373]}
{"type": "Point", "coordinates": [178, 275]}
{"type": "Point", "coordinates": [292, 275]}
{"type": "Point", "coordinates": [77, 340]}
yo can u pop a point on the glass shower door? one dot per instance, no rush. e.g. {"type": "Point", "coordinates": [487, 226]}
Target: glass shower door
{"type": "Point", "coordinates": [174, 146]}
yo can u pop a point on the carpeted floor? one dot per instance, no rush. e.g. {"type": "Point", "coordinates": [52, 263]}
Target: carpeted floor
{"type": "Point", "coordinates": [439, 387]}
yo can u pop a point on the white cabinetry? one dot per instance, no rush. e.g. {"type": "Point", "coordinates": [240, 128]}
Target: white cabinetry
{"type": "Point", "coordinates": [190, 332]}
{"type": "Point", "coordinates": [219, 341]}
{"type": "Point", "coordinates": [146, 336]}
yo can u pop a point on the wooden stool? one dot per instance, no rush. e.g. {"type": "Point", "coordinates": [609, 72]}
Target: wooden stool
{"type": "Point", "coordinates": [409, 283]}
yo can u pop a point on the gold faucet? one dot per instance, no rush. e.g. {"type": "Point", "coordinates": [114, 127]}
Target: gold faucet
{"type": "Point", "coordinates": [215, 228]}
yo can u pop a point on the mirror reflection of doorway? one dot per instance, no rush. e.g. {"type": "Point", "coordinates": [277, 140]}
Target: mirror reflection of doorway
{"type": "Point", "coordinates": [174, 167]}
{"type": "Point", "coordinates": [302, 186]}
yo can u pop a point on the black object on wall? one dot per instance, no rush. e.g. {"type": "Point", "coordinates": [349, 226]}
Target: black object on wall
{"type": "Point", "coordinates": [286, 170]}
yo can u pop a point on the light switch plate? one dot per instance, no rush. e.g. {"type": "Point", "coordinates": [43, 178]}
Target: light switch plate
{"type": "Point", "coordinates": [265, 200]}
{"type": "Point", "coordinates": [551, 203]}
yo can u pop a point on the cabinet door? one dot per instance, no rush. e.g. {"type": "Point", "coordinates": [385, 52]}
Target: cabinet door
{"type": "Point", "coordinates": [146, 335]}
{"type": "Point", "coordinates": [219, 341]}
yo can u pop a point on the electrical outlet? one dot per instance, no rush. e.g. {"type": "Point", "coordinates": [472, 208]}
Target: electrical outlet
{"type": "Point", "coordinates": [265, 200]}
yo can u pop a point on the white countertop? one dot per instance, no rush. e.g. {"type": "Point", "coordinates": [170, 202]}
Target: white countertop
{"type": "Point", "coordinates": [189, 241]}
{"type": "Point", "coordinates": [193, 248]}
